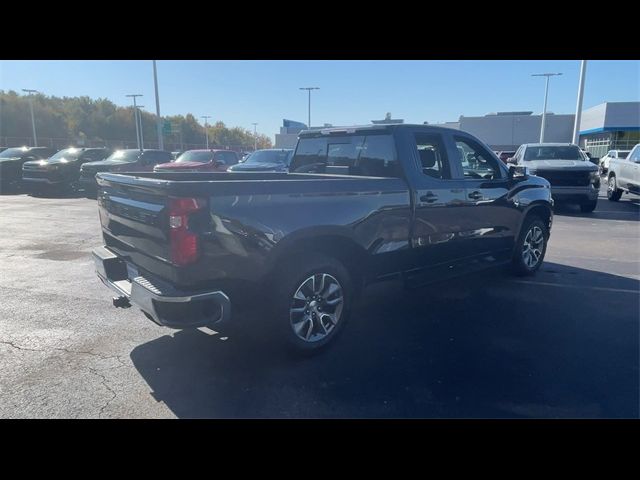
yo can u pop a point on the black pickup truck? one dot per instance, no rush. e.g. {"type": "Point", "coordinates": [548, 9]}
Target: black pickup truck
{"type": "Point", "coordinates": [359, 204]}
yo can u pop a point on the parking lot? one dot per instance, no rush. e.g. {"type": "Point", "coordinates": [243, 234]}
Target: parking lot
{"type": "Point", "coordinates": [564, 343]}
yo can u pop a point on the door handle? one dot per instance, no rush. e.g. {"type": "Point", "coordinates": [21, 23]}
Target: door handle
{"type": "Point", "coordinates": [475, 195]}
{"type": "Point", "coordinates": [430, 197]}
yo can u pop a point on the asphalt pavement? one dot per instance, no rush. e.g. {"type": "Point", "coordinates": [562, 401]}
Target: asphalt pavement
{"type": "Point", "coordinates": [562, 344]}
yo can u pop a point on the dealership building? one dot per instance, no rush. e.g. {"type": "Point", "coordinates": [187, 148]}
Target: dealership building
{"type": "Point", "coordinates": [608, 126]}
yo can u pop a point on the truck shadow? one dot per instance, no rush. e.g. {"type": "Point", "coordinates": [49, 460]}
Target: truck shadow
{"type": "Point", "coordinates": [561, 344]}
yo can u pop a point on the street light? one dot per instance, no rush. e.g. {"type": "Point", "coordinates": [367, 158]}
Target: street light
{"type": "Point", "coordinates": [135, 115]}
{"type": "Point", "coordinates": [33, 120]}
{"type": "Point", "coordinates": [206, 132]}
{"type": "Point", "coordinates": [141, 132]}
{"type": "Point", "coordinates": [308, 89]}
{"type": "Point", "coordinates": [255, 137]}
{"type": "Point", "coordinates": [576, 125]}
{"type": "Point", "coordinates": [158, 119]}
{"type": "Point", "coordinates": [546, 93]}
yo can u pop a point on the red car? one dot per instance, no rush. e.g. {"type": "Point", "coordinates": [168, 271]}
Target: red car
{"type": "Point", "coordinates": [200, 161]}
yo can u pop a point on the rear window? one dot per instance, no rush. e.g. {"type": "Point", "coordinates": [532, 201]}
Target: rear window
{"type": "Point", "coordinates": [195, 156]}
{"type": "Point", "coordinates": [364, 155]}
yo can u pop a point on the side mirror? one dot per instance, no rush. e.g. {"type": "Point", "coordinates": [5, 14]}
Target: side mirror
{"type": "Point", "coordinates": [518, 171]}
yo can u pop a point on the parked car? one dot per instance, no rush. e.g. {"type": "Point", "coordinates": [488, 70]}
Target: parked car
{"type": "Point", "coordinates": [12, 159]}
{"type": "Point", "coordinates": [200, 161]}
{"type": "Point", "coordinates": [391, 200]}
{"type": "Point", "coordinates": [611, 154]}
{"type": "Point", "coordinates": [573, 178]}
{"type": "Point", "coordinates": [61, 169]}
{"type": "Point", "coordinates": [624, 175]}
{"type": "Point", "coordinates": [505, 155]}
{"type": "Point", "coordinates": [267, 160]}
{"type": "Point", "coordinates": [129, 160]}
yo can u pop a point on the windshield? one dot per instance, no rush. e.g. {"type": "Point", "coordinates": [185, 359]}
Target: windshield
{"type": "Point", "coordinates": [67, 153]}
{"type": "Point", "coordinates": [569, 152]}
{"type": "Point", "coordinates": [270, 156]}
{"type": "Point", "coordinates": [125, 155]}
{"type": "Point", "coordinates": [13, 152]}
{"type": "Point", "coordinates": [200, 157]}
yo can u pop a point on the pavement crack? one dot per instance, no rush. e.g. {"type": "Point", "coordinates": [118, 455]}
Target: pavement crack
{"type": "Point", "coordinates": [105, 384]}
{"type": "Point", "coordinates": [13, 345]}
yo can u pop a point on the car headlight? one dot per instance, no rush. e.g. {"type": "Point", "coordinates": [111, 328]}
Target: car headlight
{"type": "Point", "coordinates": [594, 177]}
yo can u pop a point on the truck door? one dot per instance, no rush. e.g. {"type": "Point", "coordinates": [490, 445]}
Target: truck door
{"type": "Point", "coordinates": [439, 200]}
{"type": "Point", "coordinates": [490, 218]}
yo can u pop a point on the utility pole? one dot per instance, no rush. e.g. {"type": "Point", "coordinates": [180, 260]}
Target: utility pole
{"type": "Point", "coordinates": [206, 131]}
{"type": "Point", "coordinates": [546, 94]}
{"type": "Point", "coordinates": [308, 89]}
{"type": "Point", "coordinates": [33, 120]}
{"type": "Point", "coordinates": [135, 115]}
{"type": "Point", "coordinates": [576, 126]}
{"type": "Point", "coordinates": [255, 137]}
{"type": "Point", "coordinates": [158, 118]}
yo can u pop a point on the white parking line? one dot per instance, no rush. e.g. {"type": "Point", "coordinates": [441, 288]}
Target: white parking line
{"type": "Point", "coordinates": [604, 289]}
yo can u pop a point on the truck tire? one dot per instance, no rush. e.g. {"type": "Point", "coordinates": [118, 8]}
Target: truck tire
{"type": "Point", "coordinates": [588, 207]}
{"type": "Point", "coordinates": [311, 302]}
{"type": "Point", "coordinates": [613, 192]}
{"type": "Point", "coordinates": [530, 247]}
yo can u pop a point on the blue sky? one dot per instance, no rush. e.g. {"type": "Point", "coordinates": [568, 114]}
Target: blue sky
{"type": "Point", "coordinates": [351, 92]}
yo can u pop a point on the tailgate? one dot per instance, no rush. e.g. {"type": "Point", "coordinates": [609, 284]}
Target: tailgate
{"type": "Point", "coordinates": [134, 220]}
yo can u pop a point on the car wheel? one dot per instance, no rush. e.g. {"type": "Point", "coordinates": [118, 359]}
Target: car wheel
{"type": "Point", "coordinates": [613, 192]}
{"type": "Point", "coordinates": [588, 207]}
{"type": "Point", "coordinates": [531, 247]}
{"type": "Point", "coordinates": [312, 302]}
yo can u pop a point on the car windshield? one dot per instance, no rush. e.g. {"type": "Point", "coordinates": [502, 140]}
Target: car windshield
{"type": "Point", "coordinates": [200, 157]}
{"type": "Point", "coordinates": [13, 152]}
{"type": "Point", "coordinates": [568, 152]}
{"type": "Point", "coordinates": [269, 156]}
{"type": "Point", "coordinates": [67, 153]}
{"type": "Point", "coordinates": [125, 155]}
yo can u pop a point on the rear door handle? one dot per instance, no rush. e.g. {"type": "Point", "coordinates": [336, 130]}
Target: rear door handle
{"type": "Point", "coordinates": [475, 195]}
{"type": "Point", "coordinates": [429, 197]}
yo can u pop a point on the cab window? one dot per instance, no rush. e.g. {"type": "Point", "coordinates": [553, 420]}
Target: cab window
{"type": "Point", "coordinates": [476, 161]}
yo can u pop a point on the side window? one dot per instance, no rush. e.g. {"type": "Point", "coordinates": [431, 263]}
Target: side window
{"type": "Point", "coordinates": [634, 156]}
{"type": "Point", "coordinates": [310, 154]}
{"type": "Point", "coordinates": [477, 163]}
{"type": "Point", "coordinates": [378, 157]}
{"type": "Point", "coordinates": [433, 155]}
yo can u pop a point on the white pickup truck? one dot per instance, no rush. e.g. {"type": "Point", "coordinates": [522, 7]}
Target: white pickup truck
{"type": "Point", "coordinates": [624, 175]}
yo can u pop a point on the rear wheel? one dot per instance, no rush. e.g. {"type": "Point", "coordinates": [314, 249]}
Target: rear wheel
{"type": "Point", "coordinates": [531, 247]}
{"type": "Point", "coordinates": [312, 302]}
{"type": "Point", "coordinates": [588, 207]}
{"type": "Point", "coordinates": [613, 192]}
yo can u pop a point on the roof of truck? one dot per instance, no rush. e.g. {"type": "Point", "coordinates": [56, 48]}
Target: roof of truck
{"type": "Point", "coordinates": [370, 128]}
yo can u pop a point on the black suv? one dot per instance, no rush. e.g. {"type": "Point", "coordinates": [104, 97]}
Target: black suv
{"type": "Point", "coordinates": [12, 159]}
{"type": "Point", "coordinates": [62, 169]}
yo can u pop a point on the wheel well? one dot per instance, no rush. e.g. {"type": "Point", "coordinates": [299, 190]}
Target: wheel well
{"type": "Point", "coordinates": [540, 211]}
{"type": "Point", "coordinates": [346, 251]}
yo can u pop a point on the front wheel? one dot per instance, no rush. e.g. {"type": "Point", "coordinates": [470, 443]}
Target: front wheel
{"type": "Point", "coordinates": [588, 207]}
{"type": "Point", "coordinates": [531, 247]}
{"type": "Point", "coordinates": [613, 192]}
{"type": "Point", "coordinates": [312, 302]}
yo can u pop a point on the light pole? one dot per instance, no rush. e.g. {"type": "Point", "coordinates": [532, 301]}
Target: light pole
{"type": "Point", "coordinates": [576, 126]}
{"type": "Point", "coordinates": [135, 115]}
{"type": "Point", "coordinates": [158, 119]}
{"type": "Point", "coordinates": [33, 120]}
{"type": "Point", "coordinates": [308, 89]}
{"type": "Point", "coordinates": [255, 137]}
{"type": "Point", "coordinates": [141, 133]}
{"type": "Point", "coordinates": [206, 132]}
{"type": "Point", "coordinates": [546, 93]}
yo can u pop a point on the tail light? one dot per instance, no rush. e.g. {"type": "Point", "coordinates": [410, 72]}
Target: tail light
{"type": "Point", "coordinates": [184, 245]}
